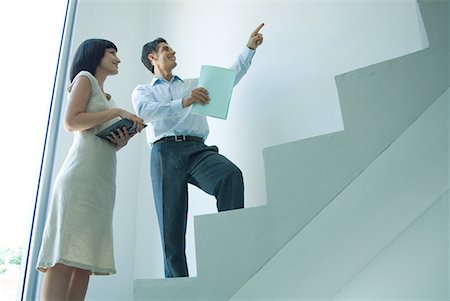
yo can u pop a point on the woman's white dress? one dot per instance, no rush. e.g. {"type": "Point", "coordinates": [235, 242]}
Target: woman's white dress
{"type": "Point", "coordinates": [78, 229]}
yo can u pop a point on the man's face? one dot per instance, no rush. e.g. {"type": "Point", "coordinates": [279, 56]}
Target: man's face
{"type": "Point", "coordinates": [165, 58]}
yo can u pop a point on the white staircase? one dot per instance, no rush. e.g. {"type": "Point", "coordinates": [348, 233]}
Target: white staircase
{"type": "Point", "coordinates": [328, 195]}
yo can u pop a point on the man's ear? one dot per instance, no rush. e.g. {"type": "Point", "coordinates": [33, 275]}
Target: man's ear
{"type": "Point", "coordinates": [152, 57]}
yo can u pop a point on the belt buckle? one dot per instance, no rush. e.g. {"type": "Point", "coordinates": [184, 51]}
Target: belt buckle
{"type": "Point", "coordinates": [180, 138]}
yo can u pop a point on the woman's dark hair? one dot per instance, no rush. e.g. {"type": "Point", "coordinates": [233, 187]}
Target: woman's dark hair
{"type": "Point", "coordinates": [88, 56]}
{"type": "Point", "coordinates": [150, 47]}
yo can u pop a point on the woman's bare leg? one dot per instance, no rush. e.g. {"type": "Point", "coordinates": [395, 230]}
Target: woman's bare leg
{"type": "Point", "coordinates": [78, 284]}
{"type": "Point", "coordinates": [56, 283]}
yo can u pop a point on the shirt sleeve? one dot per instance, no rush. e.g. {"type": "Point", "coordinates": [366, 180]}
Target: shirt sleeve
{"type": "Point", "coordinates": [242, 64]}
{"type": "Point", "coordinates": [146, 106]}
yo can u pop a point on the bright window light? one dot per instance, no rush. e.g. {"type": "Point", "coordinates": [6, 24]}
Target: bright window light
{"type": "Point", "coordinates": [31, 37]}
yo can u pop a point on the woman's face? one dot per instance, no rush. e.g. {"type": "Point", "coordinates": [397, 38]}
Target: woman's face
{"type": "Point", "coordinates": [110, 62]}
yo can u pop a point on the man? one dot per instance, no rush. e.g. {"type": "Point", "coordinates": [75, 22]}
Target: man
{"type": "Point", "coordinates": [178, 153]}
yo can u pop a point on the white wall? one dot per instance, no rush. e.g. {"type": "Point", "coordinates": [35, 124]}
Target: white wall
{"type": "Point", "coordinates": [288, 94]}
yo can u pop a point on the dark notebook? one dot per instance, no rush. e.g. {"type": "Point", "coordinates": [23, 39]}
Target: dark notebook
{"type": "Point", "coordinates": [124, 122]}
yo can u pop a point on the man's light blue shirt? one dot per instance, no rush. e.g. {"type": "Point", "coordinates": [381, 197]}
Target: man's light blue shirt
{"type": "Point", "coordinates": [160, 103]}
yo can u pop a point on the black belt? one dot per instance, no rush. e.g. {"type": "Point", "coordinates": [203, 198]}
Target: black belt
{"type": "Point", "coordinates": [180, 138]}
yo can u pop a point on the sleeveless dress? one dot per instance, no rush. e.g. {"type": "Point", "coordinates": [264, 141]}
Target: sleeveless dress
{"type": "Point", "coordinates": [78, 229]}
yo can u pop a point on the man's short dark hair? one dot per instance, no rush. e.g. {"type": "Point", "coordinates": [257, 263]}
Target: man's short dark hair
{"type": "Point", "coordinates": [150, 47]}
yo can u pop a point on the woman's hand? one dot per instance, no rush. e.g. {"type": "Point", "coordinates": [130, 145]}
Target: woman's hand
{"type": "Point", "coordinates": [138, 123]}
{"type": "Point", "coordinates": [121, 138]}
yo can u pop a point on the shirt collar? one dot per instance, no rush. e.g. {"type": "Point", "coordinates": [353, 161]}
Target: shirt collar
{"type": "Point", "coordinates": [158, 80]}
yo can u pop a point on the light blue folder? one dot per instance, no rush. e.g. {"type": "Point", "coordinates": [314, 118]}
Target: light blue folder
{"type": "Point", "coordinates": [219, 82]}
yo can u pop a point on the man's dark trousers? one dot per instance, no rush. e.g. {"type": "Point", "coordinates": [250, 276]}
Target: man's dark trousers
{"type": "Point", "coordinates": [173, 166]}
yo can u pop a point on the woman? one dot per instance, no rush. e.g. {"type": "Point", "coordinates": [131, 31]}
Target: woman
{"type": "Point", "coordinates": [77, 239]}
